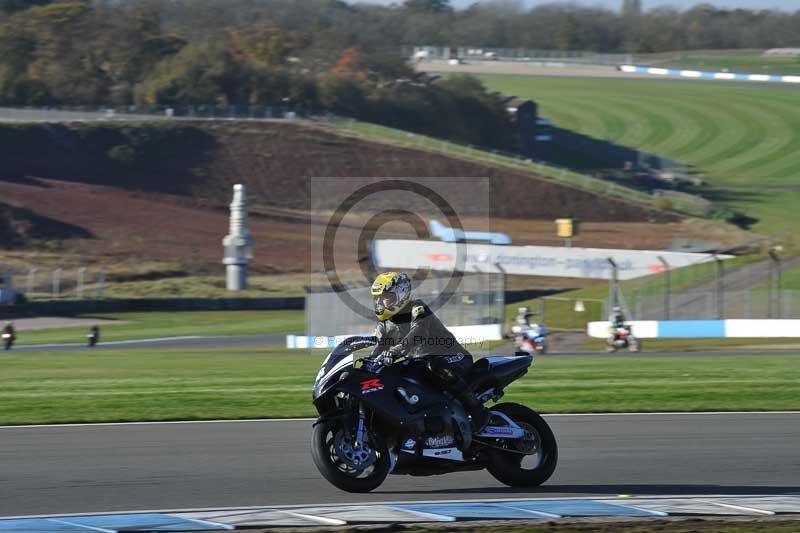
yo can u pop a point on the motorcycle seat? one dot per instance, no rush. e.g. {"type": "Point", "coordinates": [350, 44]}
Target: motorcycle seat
{"type": "Point", "coordinates": [498, 370]}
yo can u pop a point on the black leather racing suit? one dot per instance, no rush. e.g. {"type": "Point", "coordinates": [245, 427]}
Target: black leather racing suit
{"type": "Point", "coordinates": [417, 332]}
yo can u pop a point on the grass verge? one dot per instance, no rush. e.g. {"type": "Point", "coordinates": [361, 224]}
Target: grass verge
{"type": "Point", "coordinates": [395, 137]}
{"type": "Point", "coordinates": [104, 386]}
{"type": "Point", "coordinates": [681, 525]}
{"type": "Point", "coordinates": [744, 345]}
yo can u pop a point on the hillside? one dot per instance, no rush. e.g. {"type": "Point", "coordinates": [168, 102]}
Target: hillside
{"type": "Point", "coordinates": [159, 192]}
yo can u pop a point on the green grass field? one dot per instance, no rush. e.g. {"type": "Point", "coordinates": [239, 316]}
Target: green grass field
{"type": "Point", "coordinates": [174, 324]}
{"type": "Point", "coordinates": [102, 386]}
{"type": "Point", "coordinates": [743, 138]}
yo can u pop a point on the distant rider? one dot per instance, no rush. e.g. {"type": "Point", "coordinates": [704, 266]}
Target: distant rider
{"type": "Point", "coordinates": [522, 321]}
{"type": "Point", "coordinates": [409, 328]}
{"type": "Point", "coordinates": [617, 318]}
{"type": "Point", "coordinates": [8, 329]}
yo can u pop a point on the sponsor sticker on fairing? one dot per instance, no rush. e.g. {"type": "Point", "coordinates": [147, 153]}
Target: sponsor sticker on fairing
{"type": "Point", "coordinates": [371, 385]}
{"type": "Point", "coordinates": [441, 441]}
{"type": "Point", "coordinates": [410, 444]}
{"type": "Point", "coordinates": [494, 430]}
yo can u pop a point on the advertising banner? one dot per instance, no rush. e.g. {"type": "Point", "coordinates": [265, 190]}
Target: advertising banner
{"type": "Point", "coordinates": [591, 263]}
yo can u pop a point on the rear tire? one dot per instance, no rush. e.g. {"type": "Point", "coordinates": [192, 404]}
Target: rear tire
{"type": "Point", "coordinates": [507, 467]}
{"type": "Point", "coordinates": [338, 474]}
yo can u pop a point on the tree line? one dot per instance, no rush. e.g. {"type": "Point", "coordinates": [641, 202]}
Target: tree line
{"type": "Point", "coordinates": [326, 54]}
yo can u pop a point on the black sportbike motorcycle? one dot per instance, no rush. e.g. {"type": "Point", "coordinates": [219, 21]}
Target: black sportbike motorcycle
{"type": "Point", "coordinates": [376, 419]}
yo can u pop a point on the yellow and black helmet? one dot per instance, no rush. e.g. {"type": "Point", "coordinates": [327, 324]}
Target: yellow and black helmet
{"type": "Point", "coordinates": [391, 292]}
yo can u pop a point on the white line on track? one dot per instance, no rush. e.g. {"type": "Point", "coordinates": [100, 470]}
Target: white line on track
{"type": "Point", "coordinates": [705, 498]}
{"type": "Point", "coordinates": [111, 343]}
{"type": "Point", "coordinates": [251, 420]}
{"type": "Point", "coordinates": [742, 508]}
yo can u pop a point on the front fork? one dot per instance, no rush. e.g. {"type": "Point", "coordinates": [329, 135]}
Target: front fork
{"type": "Point", "coordinates": [360, 430]}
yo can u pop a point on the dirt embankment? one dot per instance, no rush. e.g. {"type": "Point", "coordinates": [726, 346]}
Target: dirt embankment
{"type": "Point", "coordinates": [160, 192]}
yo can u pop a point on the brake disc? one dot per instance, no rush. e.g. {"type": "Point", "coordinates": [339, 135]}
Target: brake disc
{"type": "Point", "coordinates": [529, 443]}
{"type": "Point", "coordinates": [356, 458]}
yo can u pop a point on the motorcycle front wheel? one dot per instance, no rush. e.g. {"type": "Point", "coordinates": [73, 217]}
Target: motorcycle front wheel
{"type": "Point", "coordinates": [336, 458]}
{"type": "Point", "coordinates": [529, 461]}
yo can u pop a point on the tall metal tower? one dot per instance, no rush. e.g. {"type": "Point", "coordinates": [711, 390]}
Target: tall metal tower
{"type": "Point", "coordinates": [238, 244]}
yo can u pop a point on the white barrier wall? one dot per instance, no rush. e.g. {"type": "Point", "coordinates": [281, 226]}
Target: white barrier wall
{"type": "Point", "coordinates": [677, 329]}
{"type": "Point", "coordinates": [762, 328]}
{"type": "Point", "coordinates": [644, 329]}
{"type": "Point", "coordinates": [464, 334]}
{"type": "Point", "coordinates": [697, 74]}
{"type": "Point", "coordinates": [556, 261]}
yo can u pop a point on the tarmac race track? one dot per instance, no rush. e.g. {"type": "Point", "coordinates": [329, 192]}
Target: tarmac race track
{"type": "Point", "coordinates": [117, 467]}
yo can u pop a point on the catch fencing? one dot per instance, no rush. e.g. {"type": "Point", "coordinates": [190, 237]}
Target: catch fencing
{"type": "Point", "coordinates": [532, 55]}
{"type": "Point", "coordinates": [56, 284]}
{"type": "Point", "coordinates": [713, 305]}
{"type": "Point", "coordinates": [112, 112]}
{"type": "Point", "coordinates": [472, 299]}
{"type": "Point", "coordinates": [714, 291]}
{"type": "Point", "coordinates": [567, 314]}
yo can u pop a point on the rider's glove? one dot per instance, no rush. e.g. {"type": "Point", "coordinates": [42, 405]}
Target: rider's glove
{"type": "Point", "coordinates": [386, 357]}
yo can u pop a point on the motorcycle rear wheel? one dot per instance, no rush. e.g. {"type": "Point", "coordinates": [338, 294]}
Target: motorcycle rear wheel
{"type": "Point", "coordinates": [507, 467]}
{"type": "Point", "coordinates": [339, 474]}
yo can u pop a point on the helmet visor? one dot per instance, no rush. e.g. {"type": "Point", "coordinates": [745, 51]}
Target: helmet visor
{"type": "Point", "coordinates": [387, 300]}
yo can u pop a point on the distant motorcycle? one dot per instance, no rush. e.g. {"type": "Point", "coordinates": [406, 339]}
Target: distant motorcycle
{"type": "Point", "coordinates": [8, 340]}
{"type": "Point", "coordinates": [531, 340]}
{"type": "Point", "coordinates": [93, 337]}
{"type": "Point", "coordinates": [376, 419]}
{"type": "Point", "coordinates": [622, 337]}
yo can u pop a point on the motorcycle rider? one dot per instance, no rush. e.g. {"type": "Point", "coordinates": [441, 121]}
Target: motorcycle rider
{"type": "Point", "coordinates": [8, 329]}
{"type": "Point", "coordinates": [617, 318]}
{"type": "Point", "coordinates": [93, 337]}
{"type": "Point", "coordinates": [524, 319]}
{"type": "Point", "coordinates": [408, 327]}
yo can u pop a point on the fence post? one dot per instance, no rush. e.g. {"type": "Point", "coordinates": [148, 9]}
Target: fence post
{"type": "Point", "coordinates": [720, 288]}
{"type": "Point", "coordinates": [775, 283]}
{"type": "Point", "coordinates": [667, 289]}
{"type": "Point", "coordinates": [501, 294]}
{"type": "Point", "coordinates": [81, 280]}
{"type": "Point", "coordinates": [101, 280]}
{"type": "Point", "coordinates": [56, 282]}
{"type": "Point", "coordinates": [31, 281]}
{"type": "Point", "coordinates": [748, 309]}
{"type": "Point", "coordinates": [612, 285]}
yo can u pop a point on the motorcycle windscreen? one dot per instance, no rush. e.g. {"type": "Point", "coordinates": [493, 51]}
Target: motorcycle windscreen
{"type": "Point", "coordinates": [340, 358]}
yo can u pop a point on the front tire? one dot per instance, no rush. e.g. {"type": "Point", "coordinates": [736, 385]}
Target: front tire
{"type": "Point", "coordinates": [508, 467]}
{"type": "Point", "coordinates": [338, 473]}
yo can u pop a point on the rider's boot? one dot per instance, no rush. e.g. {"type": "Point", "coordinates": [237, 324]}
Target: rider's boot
{"type": "Point", "coordinates": [477, 411]}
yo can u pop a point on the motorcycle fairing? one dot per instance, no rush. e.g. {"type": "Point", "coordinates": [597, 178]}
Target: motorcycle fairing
{"type": "Point", "coordinates": [386, 403]}
{"type": "Point", "coordinates": [337, 361]}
